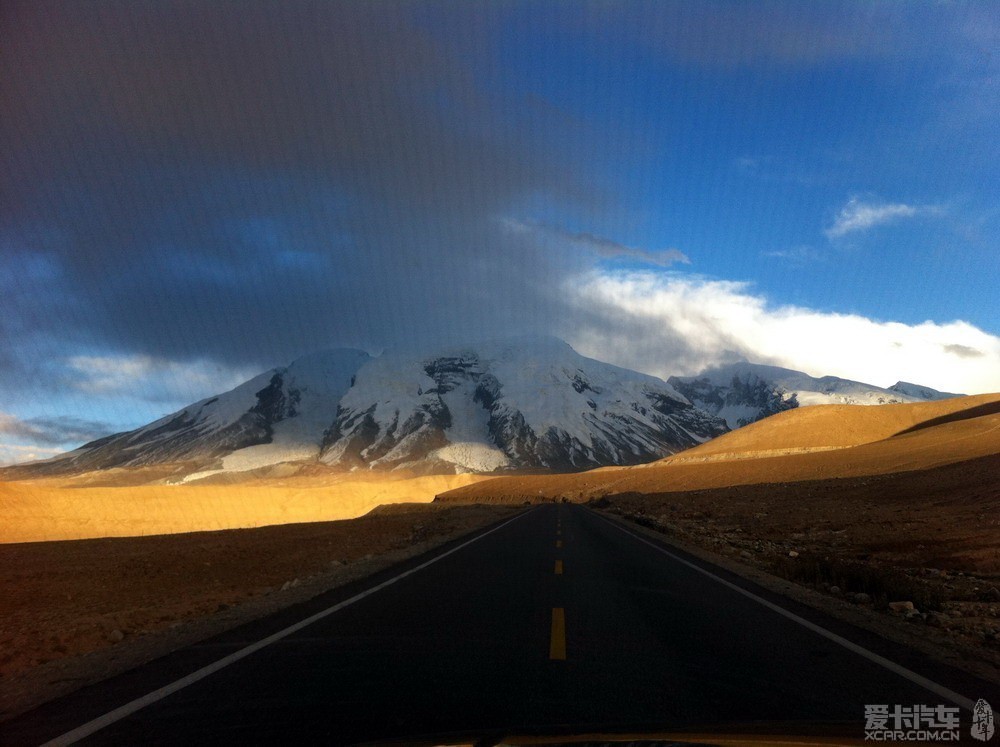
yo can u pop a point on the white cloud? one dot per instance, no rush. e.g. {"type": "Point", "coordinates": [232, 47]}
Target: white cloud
{"type": "Point", "coordinates": [152, 379]}
{"type": "Point", "coordinates": [797, 255]}
{"type": "Point", "coordinates": [860, 216]}
{"type": "Point", "coordinates": [17, 453]}
{"type": "Point", "coordinates": [668, 324]}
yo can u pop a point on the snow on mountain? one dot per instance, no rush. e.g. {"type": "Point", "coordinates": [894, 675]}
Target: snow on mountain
{"type": "Point", "coordinates": [519, 403]}
{"type": "Point", "coordinates": [318, 382]}
{"type": "Point", "coordinates": [525, 403]}
{"type": "Point", "coordinates": [918, 392]}
{"type": "Point", "coordinates": [742, 393]}
{"type": "Point", "coordinates": [530, 402]}
{"type": "Point", "coordinates": [276, 416]}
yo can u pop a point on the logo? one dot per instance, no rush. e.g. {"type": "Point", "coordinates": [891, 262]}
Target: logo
{"type": "Point", "coordinates": [916, 723]}
{"type": "Point", "coordinates": [982, 721]}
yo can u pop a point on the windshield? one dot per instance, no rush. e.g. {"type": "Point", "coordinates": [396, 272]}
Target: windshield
{"type": "Point", "coordinates": [515, 371]}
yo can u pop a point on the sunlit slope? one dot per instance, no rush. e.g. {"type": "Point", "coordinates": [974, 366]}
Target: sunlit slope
{"type": "Point", "coordinates": [787, 451]}
{"type": "Point", "coordinates": [835, 426]}
{"type": "Point", "coordinates": [53, 509]}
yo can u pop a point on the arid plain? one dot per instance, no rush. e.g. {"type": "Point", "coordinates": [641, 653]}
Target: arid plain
{"type": "Point", "coordinates": [135, 503]}
{"type": "Point", "coordinates": [855, 507]}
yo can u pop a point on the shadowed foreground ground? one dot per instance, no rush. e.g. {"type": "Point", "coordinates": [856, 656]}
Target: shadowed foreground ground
{"type": "Point", "coordinates": [125, 600]}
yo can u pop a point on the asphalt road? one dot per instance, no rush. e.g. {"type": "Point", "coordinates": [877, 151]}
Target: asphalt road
{"type": "Point", "coordinates": [558, 620]}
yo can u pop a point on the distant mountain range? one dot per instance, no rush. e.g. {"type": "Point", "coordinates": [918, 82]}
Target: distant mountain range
{"type": "Point", "coordinates": [521, 404]}
{"type": "Point", "coordinates": [529, 403]}
{"type": "Point", "coordinates": [742, 393]}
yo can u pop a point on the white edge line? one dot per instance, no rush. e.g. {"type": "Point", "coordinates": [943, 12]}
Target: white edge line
{"type": "Point", "coordinates": [944, 692]}
{"type": "Point", "coordinates": [91, 727]}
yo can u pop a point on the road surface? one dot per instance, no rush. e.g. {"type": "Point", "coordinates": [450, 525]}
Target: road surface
{"type": "Point", "coordinates": [558, 620]}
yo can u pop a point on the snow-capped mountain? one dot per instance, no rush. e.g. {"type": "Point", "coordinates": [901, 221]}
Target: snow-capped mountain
{"type": "Point", "coordinates": [742, 393]}
{"type": "Point", "coordinates": [522, 403]}
{"type": "Point", "coordinates": [525, 403]}
{"type": "Point", "coordinates": [918, 392]}
{"type": "Point", "coordinates": [274, 417]}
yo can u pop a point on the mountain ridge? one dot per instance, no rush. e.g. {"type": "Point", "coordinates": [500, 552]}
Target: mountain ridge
{"type": "Point", "coordinates": [522, 403]}
{"type": "Point", "coordinates": [742, 393]}
{"type": "Point", "coordinates": [530, 403]}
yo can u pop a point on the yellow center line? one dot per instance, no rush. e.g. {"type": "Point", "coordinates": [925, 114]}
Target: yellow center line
{"type": "Point", "coordinates": [558, 567]}
{"type": "Point", "coordinates": [558, 543]}
{"type": "Point", "coordinates": [557, 646]}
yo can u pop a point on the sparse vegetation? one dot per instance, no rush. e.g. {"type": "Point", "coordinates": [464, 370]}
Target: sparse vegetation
{"type": "Point", "coordinates": [883, 585]}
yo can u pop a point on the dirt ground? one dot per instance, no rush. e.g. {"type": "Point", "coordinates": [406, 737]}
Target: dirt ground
{"type": "Point", "coordinates": [75, 612]}
{"type": "Point", "coordinates": [113, 503]}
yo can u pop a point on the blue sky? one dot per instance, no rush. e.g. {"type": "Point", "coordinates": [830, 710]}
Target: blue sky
{"type": "Point", "coordinates": [746, 161]}
{"type": "Point", "coordinates": [664, 185]}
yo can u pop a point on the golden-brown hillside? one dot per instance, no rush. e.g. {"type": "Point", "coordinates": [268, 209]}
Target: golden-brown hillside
{"type": "Point", "coordinates": [838, 426]}
{"type": "Point", "coordinates": [107, 505]}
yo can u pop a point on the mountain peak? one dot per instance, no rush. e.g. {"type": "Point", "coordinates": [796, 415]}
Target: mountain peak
{"type": "Point", "coordinates": [529, 401]}
{"type": "Point", "coordinates": [520, 402]}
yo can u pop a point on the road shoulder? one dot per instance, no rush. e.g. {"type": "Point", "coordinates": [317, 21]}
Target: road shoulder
{"type": "Point", "coordinates": [922, 639]}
